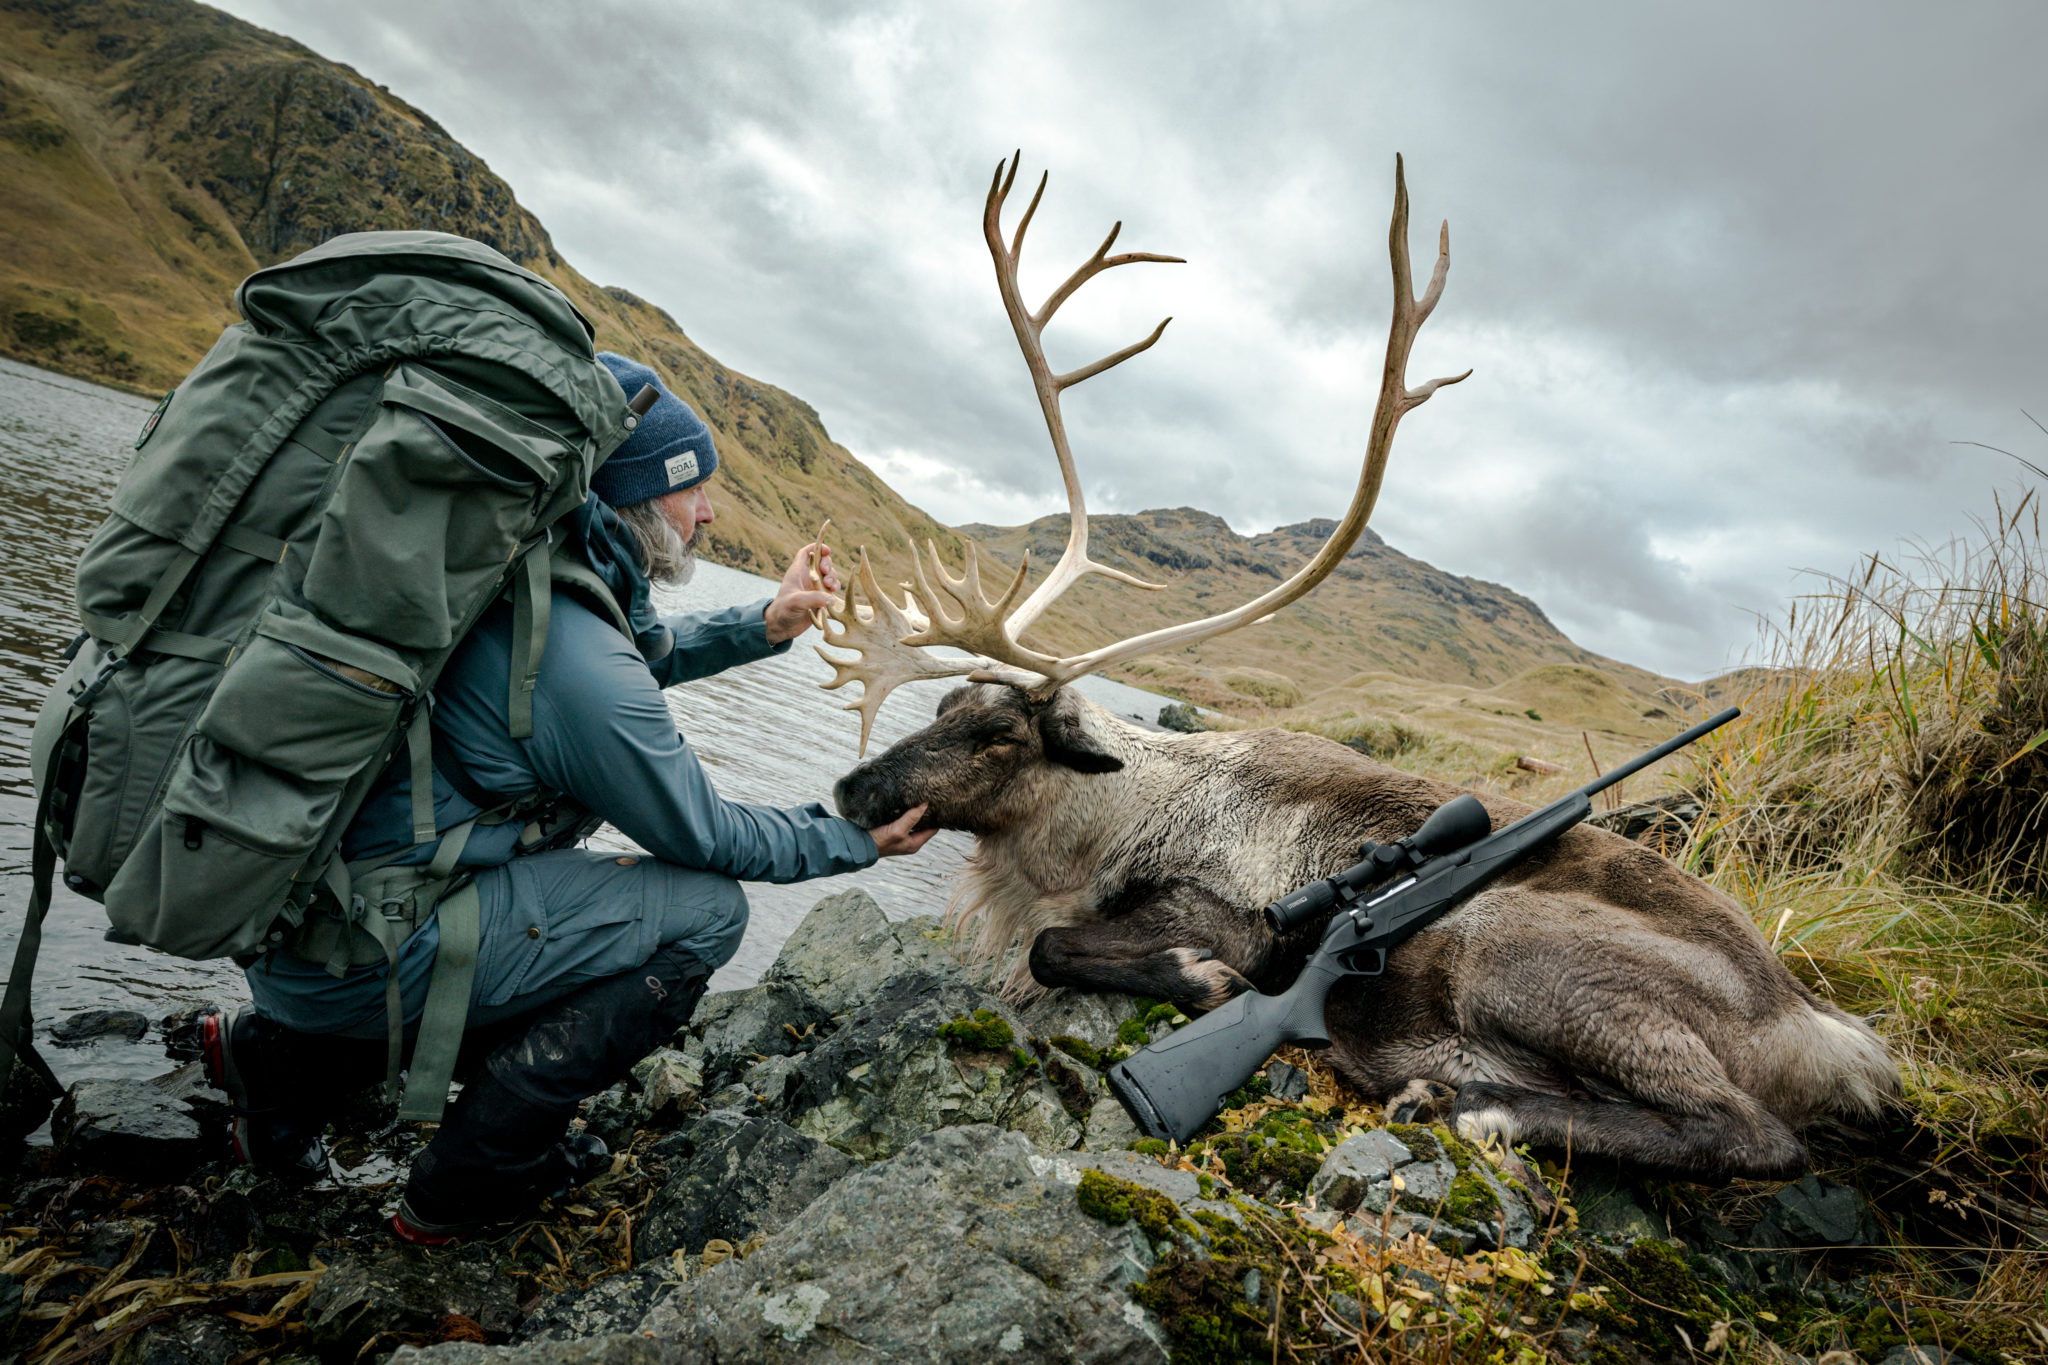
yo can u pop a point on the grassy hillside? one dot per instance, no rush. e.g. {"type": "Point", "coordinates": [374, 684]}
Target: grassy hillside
{"type": "Point", "coordinates": [154, 152]}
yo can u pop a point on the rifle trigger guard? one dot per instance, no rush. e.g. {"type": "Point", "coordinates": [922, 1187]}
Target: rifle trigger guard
{"type": "Point", "coordinates": [1356, 960]}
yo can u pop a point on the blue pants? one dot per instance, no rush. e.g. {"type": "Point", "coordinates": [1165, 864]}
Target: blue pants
{"type": "Point", "coordinates": [552, 923]}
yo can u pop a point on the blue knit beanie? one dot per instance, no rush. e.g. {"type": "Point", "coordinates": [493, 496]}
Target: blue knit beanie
{"type": "Point", "coordinates": [670, 450]}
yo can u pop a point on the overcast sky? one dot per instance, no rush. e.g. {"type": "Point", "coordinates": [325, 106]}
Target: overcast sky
{"type": "Point", "coordinates": [1731, 278]}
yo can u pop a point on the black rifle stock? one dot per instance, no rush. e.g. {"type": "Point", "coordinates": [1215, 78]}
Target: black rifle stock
{"type": "Point", "coordinates": [1177, 1084]}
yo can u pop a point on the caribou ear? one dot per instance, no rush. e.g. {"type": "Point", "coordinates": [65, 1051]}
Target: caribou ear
{"type": "Point", "coordinates": [1067, 744]}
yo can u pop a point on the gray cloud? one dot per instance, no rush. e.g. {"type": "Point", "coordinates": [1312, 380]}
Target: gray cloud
{"type": "Point", "coordinates": [1732, 278]}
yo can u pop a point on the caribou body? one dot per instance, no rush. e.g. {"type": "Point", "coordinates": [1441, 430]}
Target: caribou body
{"type": "Point", "coordinates": [1595, 998]}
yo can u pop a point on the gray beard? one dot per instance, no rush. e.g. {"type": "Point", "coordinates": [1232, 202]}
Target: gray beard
{"type": "Point", "coordinates": [667, 558]}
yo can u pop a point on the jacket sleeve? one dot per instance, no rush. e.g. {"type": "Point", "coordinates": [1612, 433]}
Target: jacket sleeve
{"type": "Point", "coordinates": [602, 733]}
{"type": "Point", "coordinates": [709, 642]}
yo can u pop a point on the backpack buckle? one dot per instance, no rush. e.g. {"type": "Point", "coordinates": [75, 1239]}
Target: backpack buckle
{"type": "Point", "coordinates": [110, 664]}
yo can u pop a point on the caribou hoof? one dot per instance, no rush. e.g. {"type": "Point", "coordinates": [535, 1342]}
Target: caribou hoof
{"type": "Point", "coordinates": [1209, 981]}
{"type": "Point", "coordinates": [1421, 1101]}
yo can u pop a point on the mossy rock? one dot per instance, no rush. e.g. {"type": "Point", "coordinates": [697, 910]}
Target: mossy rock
{"type": "Point", "coordinates": [983, 1031]}
{"type": "Point", "coordinates": [1117, 1202]}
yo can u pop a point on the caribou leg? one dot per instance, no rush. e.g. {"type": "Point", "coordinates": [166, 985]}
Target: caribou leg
{"type": "Point", "coordinates": [1727, 1139]}
{"type": "Point", "coordinates": [1180, 943]}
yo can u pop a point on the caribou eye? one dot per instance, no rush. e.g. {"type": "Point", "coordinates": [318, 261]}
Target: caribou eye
{"type": "Point", "coordinates": [994, 742]}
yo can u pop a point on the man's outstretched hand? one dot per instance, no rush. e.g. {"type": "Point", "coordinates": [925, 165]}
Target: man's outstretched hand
{"type": "Point", "coordinates": [789, 615]}
{"type": "Point", "coordinates": [897, 837]}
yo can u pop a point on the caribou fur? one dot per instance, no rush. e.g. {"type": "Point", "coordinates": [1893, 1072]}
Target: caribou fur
{"type": "Point", "coordinates": [1595, 998]}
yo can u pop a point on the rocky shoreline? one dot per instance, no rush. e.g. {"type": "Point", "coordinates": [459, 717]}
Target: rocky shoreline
{"type": "Point", "coordinates": [869, 1155]}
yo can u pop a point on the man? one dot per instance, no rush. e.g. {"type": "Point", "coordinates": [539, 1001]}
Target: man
{"type": "Point", "coordinates": [586, 961]}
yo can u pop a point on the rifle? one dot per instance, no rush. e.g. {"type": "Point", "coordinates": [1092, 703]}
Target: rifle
{"type": "Point", "coordinates": [1175, 1085]}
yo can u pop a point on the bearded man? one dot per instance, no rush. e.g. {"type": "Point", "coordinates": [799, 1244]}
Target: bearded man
{"type": "Point", "coordinates": [586, 961]}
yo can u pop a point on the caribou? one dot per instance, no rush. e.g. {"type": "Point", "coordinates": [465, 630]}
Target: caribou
{"type": "Point", "coordinates": [1598, 998]}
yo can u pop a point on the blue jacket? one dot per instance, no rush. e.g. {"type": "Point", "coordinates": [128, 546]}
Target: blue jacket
{"type": "Point", "coordinates": [602, 733]}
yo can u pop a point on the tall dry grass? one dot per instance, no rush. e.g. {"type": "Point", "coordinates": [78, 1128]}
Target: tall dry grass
{"type": "Point", "coordinates": [1883, 807]}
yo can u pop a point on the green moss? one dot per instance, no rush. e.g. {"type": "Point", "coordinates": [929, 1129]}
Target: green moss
{"type": "Point", "coordinates": [984, 1032]}
{"type": "Point", "coordinates": [1657, 1291]}
{"type": "Point", "coordinates": [1073, 1091]}
{"type": "Point", "coordinates": [1025, 1061]}
{"type": "Point", "coordinates": [1132, 1033]}
{"type": "Point", "coordinates": [1418, 1139]}
{"type": "Point", "coordinates": [1117, 1202]}
{"type": "Point", "coordinates": [1200, 1303]}
{"type": "Point", "coordinates": [1251, 1092]}
{"type": "Point", "coordinates": [1470, 1200]}
{"type": "Point", "coordinates": [1149, 1146]}
{"type": "Point", "coordinates": [1263, 1168]}
{"type": "Point", "coordinates": [1463, 1154]}
{"type": "Point", "coordinates": [1080, 1049]}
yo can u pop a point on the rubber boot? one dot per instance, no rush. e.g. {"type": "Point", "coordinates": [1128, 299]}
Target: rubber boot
{"type": "Point", "coordinates": [504, 1147]}
{"type": "Point", "coordinates": [282, 1084]}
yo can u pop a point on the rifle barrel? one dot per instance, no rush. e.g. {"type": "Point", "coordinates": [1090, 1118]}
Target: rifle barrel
{"type": "Point", "coordinates": [1669, 746]}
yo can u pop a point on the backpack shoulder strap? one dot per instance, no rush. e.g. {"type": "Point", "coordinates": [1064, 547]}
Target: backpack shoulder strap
{"type": "Point", "coordinates": [568, 570]}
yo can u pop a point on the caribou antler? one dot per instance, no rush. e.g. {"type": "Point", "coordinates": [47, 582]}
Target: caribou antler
{"type": "Point", "coordinates": [892, 640]}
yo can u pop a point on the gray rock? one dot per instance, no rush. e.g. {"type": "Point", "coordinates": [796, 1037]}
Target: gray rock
{"type": "Point", "coordinates": [1091, 1017]}
{"type": "Point", "coordinates": [767, 1020]}
{"type": "Point", "coordinates": [576, 1314]}
{"type": "Point", "coordinates": [126, 1127]}
{"type": "Point", "coordinates": [406, 1289]}
{"type": "Point", "coordinates": [670, 1079]}
{"type": "Point", "coordinates": [1182, 1187]}
{"type": "Point", "coordinates": [613, 1115]}
{"type": "Point", "coordinates": [958, 1248]}
{"type": "Point", "coordinates": [928, 945]}
{"type": "Point", "coordinates": [27, 1102]}
{"type": "Point", "coordinates": [1917, 1353]}
{"type": "Point", "coordinates": [90, 1026]}
{"type": "Point", "coordinates": [188, 1085]}
{"type": "Point", "coordinates": [1813, 1212]}
{"type": "Point", "coordinates": [631, 1349]}
{"type": "Point", "coordinates": [886, 1078]}
{"type": "Point", "coordinates": [1354, 1166]}
{"type": "Point", "coordinates": [1286, 1082]}
{"type": "Point", "coordinates": [1516, 1224]}
{"type": "Point", "coordinates": [841, 953]}
{"type": "Point", "coordinates": [1108, 1127]}
{"type": "Point", "coordinates": [1609, 1207]}
{"type": "Point", "coordinates": [731, 1180]}
{"type": "Point", "coordinates": [1431, 1196]}
{"type": "Point", "coordinates": [193, 1339]}
{"type": "Point", "coordinates": [768, 1083]}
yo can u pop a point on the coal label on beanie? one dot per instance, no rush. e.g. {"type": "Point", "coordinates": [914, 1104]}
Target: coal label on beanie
{"type": "Point", "coordinates": [682, 468]}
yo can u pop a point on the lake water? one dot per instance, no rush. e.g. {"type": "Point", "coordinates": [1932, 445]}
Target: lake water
{"type": "Point", "coordinates": [766, 732]}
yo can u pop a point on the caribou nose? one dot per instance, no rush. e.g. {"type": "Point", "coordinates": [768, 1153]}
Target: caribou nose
{"type": "Point", "coordinates": [855, 796]}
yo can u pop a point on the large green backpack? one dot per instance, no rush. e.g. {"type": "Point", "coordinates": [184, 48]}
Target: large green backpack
{"type": "Point", "coordinates": [312, 521]}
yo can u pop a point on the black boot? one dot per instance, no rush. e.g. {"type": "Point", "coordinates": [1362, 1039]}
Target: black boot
{"type": "Point", "coordinates": [282, 1083]}
{"type": "Point", "coordinates": [497, 1157]}
{"type": "Point", "coordinates": [503, 1147]}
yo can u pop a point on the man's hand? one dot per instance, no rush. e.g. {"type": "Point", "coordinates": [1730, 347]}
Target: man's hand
{"type": "Point", "coordinates": [789, 615]}
{"type": "Point", "coordinates": [896, 838]}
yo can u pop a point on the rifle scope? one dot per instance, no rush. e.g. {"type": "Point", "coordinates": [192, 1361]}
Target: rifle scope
{"type": "Point", "coordinates": [1451, 826]}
